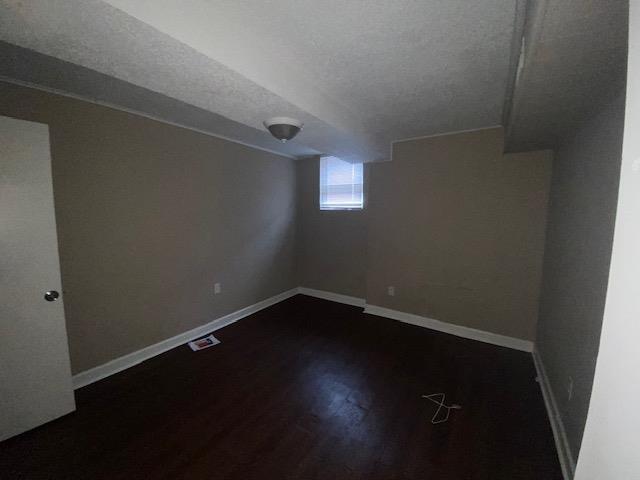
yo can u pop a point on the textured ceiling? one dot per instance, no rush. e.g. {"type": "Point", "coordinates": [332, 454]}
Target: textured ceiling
{"type": "Point", "coordinates": [358, 73]}
{"type": "Point", "coordinates": [30, 68]}
{"type": "Point", "coordinates": [400, 68]}
{"type": "Point", "coordinates": [575, 58]}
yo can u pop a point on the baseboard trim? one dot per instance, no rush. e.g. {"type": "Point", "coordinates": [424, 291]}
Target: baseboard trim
{"type": "Point", "coordinates": [458, 330]}
{"type": "Point", "coordinates": [557, 426]}
{"type": "Point", "coordinates": [334, 297]}
{"type": "Point", "coordinates": [122, 363]}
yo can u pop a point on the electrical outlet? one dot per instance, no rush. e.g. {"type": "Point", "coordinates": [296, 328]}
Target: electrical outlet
{"type": "Point", "coordinates": [217, 288]}
{"type": "Point", "coordinates": [570, 387]}
{"type": "Point", "coordinates": [391, 291]}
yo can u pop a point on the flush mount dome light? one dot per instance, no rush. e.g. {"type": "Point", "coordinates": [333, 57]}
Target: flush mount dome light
{"type": "Point", "coordinates": [283, 128]}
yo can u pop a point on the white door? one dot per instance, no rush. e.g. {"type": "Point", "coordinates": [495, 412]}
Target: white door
{"type": "Point", "coordinates": [35, 375]}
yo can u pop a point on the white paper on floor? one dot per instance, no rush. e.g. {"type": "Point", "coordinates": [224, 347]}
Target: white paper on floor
{"type": "Point", "coordinates": [205, 342]}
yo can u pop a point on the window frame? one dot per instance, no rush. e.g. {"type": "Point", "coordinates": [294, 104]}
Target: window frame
{"type": "Point", "coordinates": [325, 208]}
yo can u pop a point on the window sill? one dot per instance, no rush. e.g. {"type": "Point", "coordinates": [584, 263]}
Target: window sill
{"type": "Point", "coordinates": [355, 209]}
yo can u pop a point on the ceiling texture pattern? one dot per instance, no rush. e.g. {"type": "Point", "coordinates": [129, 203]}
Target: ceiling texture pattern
{"type": "Point", "coordinates": [359, 73]}
{"type": "Point", "coordinates": [574, 60]}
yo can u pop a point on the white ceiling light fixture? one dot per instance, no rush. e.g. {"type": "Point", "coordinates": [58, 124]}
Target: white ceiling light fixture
{"type": "Point", "coordinates": [283, 128]}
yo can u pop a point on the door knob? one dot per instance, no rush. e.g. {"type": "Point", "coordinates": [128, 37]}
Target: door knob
{"type": "Point", "coordinates": [51, 296]}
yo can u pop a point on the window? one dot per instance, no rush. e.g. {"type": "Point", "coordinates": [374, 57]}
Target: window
{"type": "Point", "coordinates": [340, 184]}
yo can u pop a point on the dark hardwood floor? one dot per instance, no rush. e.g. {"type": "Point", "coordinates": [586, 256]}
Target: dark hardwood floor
{"type": "Point", "coordinates": [307, 389]}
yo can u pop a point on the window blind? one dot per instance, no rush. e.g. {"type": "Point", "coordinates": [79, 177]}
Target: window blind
{"type": "Point", "coordinates": [341, 184]}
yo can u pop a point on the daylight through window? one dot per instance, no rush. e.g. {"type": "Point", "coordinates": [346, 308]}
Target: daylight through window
{"type": "Point", "coordinates": [341, 184]}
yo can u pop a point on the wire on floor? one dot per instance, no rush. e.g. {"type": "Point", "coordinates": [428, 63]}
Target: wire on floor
{"type": "Point", "coordinates": [438, 399]}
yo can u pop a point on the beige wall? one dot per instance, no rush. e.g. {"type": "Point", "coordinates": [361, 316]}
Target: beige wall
{"type": "Point", "coordinates": [331, 244]}
{"type": "Point", "coordinates": [612, 435]}
{"type": "Point", "coordinates": [453, 224]}
{"type": "Point", "coordinates": [149, 216]}
{"type": "Point", "coordinates": [577, 256]}
{"type": "Point", "coordinates": [458, 229]}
